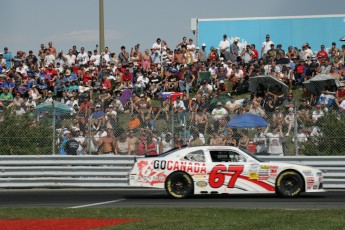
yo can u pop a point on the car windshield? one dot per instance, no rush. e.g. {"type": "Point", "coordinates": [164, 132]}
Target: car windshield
{"type": "Point", "coordinates": [251, 155]}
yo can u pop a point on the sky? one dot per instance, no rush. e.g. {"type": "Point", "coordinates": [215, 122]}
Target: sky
{"type": "Point", "coordinates": [26, 24]}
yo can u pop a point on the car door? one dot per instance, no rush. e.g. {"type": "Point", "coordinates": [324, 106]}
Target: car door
{"type": "Point", "coordinates": [228, 171]}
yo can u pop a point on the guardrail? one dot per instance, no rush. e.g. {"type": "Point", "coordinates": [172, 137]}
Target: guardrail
{"type": "Point", "coordinates": [111, 171]}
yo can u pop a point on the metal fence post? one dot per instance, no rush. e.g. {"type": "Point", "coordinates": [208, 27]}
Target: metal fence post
{"type": "Point", "coordinates": [295, 129]}
{"type": "Point", "coordinates": [54, 128]}
{"type": "Point", "coordinates": [89, 136]}
{"type": "Point", "coordinates": [172, 126]}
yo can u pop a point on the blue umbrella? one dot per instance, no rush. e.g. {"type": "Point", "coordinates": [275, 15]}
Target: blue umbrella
{"type": "Point", "coordinates": [247, 120]}
{"type": "Point", "coordinates": [60, 108]}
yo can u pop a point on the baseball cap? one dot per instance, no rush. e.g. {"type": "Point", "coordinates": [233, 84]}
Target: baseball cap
{"type": "Point", "coordinates": [203, 44]}
{"type": "Point", "coordinates": [318, 106]}
{"type": "Point", "coordinates": [66, 132]}
{"type": "Point", "coordinates": [221, 81]}
{"type": "Point", "coordinates": [219, 103]}
{"type": "Point", "coordinates": [98, 106]}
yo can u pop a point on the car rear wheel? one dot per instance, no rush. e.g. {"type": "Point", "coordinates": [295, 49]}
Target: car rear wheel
{"type": "Point", "coordinates": [289, 184]}
{"type": "Point", "coordinates": [179, 185]}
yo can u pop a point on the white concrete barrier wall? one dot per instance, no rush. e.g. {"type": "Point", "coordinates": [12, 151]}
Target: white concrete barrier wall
{"type": "Point", "coordinates": [112, 171]}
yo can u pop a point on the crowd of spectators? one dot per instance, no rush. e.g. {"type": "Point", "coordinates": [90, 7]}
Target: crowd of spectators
{"type": "Point", "coordinates": [101, 88]}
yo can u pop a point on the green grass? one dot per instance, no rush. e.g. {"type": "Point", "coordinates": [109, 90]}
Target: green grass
{"type": "Point", "coordinates": [196, 218]}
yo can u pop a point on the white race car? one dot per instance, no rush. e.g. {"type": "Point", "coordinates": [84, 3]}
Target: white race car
{"type": "Point", "coordinates": [222, 170]}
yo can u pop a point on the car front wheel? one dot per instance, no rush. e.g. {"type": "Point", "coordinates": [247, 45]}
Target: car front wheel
{"type": "Point", "coordinates": [289, 184]}
{"type": "Point", "coordinates": [179, 185]}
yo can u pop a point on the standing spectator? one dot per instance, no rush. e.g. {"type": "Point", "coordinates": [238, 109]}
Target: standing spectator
{"type": "Point", "coordinates": [275, 141]}
{"type": "Point", "coordinates": [224, 45]}
{"type": "Point", "coordinates": [82, 57]}
{"type": "Point", "coordinates": [150, 146]}
{"type": "Point", "coordinates": [305, 53]}
{"type": "Point", "coordinates": [203, 54]}
{"type": "Point", "coordinates": [123, 145]}
{"type": "Point", "coordinates": [266, 45]}
{"type": "Point", "coordinates": [17, 60]}
{"type": "Point", "coordinates": [290, 120]}
{"type": "Point", "coordinates": [179, 109]}
{"type": "Point", "coordinates": [146, 60]}
{"type": "Point", "coordinates": [31, 59]}
{"type": "Point", "coordinates": [108, 143]}
{"type": "Point", "coordinates": [8, 57]}
{"type": "Point", "coordinates": [70, 58]}
{"type": "Point", "coordinates": [234, 51]}
{"type": "Point", "coordinates": [132, 143]}
{"type": "Point", "coordinates": [52, 49]}
{"type": "Point", "coordinates": [260, 142]}
{"type": "Point", "coordinates": [41, 55]}
{"type": "Point", "coordinates": [123, 57]}
{"type": "Point", "coordinates": [322, 53]}
{"type": "Point", "coordinates": [49, 58]}
{"type": "Point", "coordinates": [166, 144]}
{"type": "Point", "coordinates": [95, 58]}
{"type": "Point", "coordinates": [219, 113]}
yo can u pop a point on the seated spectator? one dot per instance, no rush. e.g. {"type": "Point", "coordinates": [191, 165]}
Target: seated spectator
{"type": "Point", "coordinates": [134, 122]}
{"type": "Point", "coordinates": [205, 90]}
{"type": "Point", "coordinates": [216, 139]}
{"type": "Point", "coordinates": [97, 117]}
{"type": "Point", "coordinates": [289, 102]}
{"type": "Point", "coordinates": [257, 110]}
{"type": "Point", "coordinates": [166, 144]}
{"type": "Point", "coordinates": [276, 93]}
{"type": "Point", "coordinates": [233, 105]}
{"type": "Point", "coordinates": [243, 142]}
{"type": "Point", "coordinates": [218, 114]}
{"type": "Point", "coordinates": [171, 80]}
{"type": "Point", "coordinates": [141, 83]}
{"type": "Point", "coordinates": [143, 108]}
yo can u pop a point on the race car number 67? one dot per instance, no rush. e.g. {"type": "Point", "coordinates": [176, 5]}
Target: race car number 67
{"type": "Point", "coordinates": [217, 175]}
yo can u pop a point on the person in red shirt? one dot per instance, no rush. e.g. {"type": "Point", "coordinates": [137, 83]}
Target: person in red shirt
{"type": "Point", "coordinates": [51, 71]}
{"type": "Point", "coordinates": [255, 51]}
{"type": "Point", "coordinates": [106, 84]}
{"type": "Point", "coordinates": [322, 53]}
{"type": "Point", "coordinates": [127, 78]}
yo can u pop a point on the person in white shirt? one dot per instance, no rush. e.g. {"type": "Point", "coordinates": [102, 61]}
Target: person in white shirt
{"type": "Point", "coordinates": [224, 45]}
{"type": "Point", "coordinates": [260, 141]}
{"type": "Point", "coordinates": [82, 57]}
{"type": "Point", "coordinates": [266, 45]}
{"type": "Point", "coordinates": [49, 58]}
{"type": "Point", "coordinates": [317, 113]}
{"type": "Point", "coordinates": [305, 52]}
{"type": "Point", "coordinates": [233, 105]}
{"type": "Point", "coordinates": [191, 46]}
{"type": "Point", "coordinates": [180, 109]}
{"type": "Point", "coordinates": [141, 83]}
{"type": "Point", "coordinates": [157, 46]}
{"type": "Point", "coordinates": [275, 141]}
{"type": "Point", "coordinates": [219, 112]}
{"type": "Point", "coordinates": [70, 58]}
{"type": "Point", "coordinates": [95, 58]}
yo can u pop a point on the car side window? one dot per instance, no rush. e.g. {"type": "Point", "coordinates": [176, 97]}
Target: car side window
{"type": "Point", "coordinates": [196, 156]}
{"type": "Point", "coordinates": [226, 156]}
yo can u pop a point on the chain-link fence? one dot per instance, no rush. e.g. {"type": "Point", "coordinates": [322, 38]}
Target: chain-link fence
{"type": "Point", "coordinates": [148, 132]}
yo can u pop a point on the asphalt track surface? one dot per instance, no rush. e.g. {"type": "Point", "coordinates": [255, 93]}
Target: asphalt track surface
{"type": "Point", "coordinates": [145, 198]}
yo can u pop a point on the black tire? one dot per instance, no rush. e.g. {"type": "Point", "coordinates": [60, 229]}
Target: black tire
{"type": "Point", "coordinates": [289, 184]}
{"type": "Point", "coordinates": [179, 185]}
